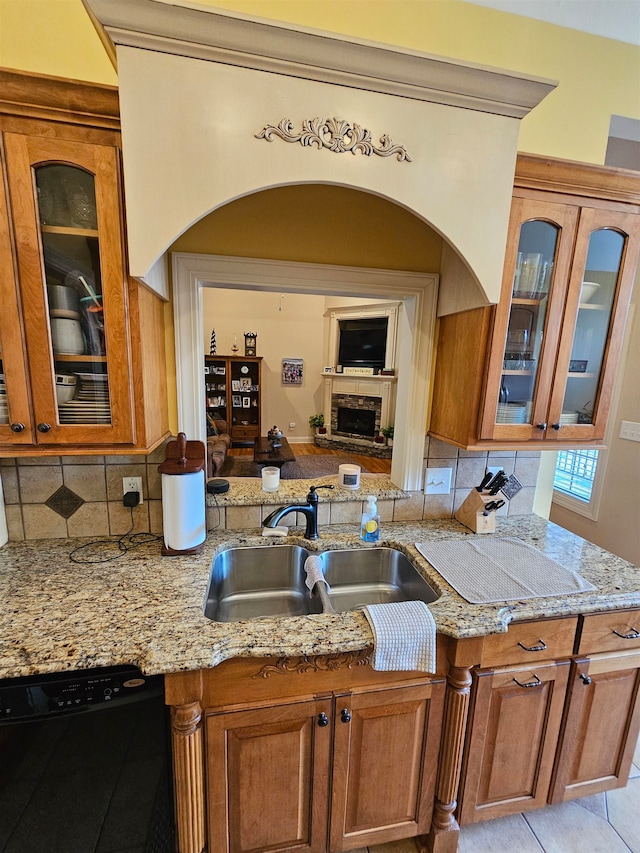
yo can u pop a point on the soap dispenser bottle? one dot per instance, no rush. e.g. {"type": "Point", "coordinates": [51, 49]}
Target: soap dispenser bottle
{"type": "Point", "coordinates": [370, 525]}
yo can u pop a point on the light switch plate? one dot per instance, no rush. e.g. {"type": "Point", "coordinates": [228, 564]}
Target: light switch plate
{"type": "Point", "coordinates": [630, 430]}
{"type": "Point", "coordinates": [437, 481]}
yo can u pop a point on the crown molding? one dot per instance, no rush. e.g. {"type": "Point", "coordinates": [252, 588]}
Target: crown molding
{"type": "Point", "coordinates": [216, 36]}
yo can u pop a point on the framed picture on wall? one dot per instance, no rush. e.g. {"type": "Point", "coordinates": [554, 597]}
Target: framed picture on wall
{"type": "Point", "coordinates": [235, 384]}
{"type": "Point", "coordinates": [246, 402]}
{"type": "Point", "coordinates": [292, 371]}
{"type": "Point", "coordinates": [237, 401]}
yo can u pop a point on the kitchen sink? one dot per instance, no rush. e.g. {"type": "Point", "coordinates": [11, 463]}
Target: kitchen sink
{"type": "Point", "coordinates": [257, 582]}
{"type": "Point", "coordinates": [359, 576]}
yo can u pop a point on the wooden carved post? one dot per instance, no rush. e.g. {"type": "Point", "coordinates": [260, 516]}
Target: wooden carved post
{"type": "Point", "coordinates": [443, 837]}
{"type": "Point", "coordinates": [188, 770]}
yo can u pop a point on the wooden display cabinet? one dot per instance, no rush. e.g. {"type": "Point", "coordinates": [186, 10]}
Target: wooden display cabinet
{"type": "Point", "coordinates": [233, 388]}
{"type": "Point", "coordinates": [539, 367]}
{"type": "Point", "coordinates": [81, 346]}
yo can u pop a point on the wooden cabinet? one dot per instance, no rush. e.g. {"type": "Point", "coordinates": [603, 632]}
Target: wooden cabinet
{"type": "Point", "coordinates": [233, 387]}
{"type": "Point", "coordinates": [307, 754]}
{"type": "Point", "coordinates": [601, 725]}
{"type": "Point", "coordinates": [539, 367]}
{"type": "Point", "coordinates": [81, 346]}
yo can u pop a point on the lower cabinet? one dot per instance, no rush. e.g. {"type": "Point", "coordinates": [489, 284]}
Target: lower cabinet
{"type": "Point", "coordinates": [601, 726]}
{"type": "Point", "coordinates": [308, 754]}
{"type": "Point", "coordinates": [515, 720]}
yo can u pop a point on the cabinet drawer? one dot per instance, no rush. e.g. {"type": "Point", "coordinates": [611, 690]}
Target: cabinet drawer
{"type": "Point", "coordinates": [244, 432]}
{"type": "Point", "coordinates": [528, 642]}
{"type": "Point", "coordinates": [610, 632]}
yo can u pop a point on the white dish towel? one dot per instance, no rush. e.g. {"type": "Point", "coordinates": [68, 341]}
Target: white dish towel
{"type": "Point", "coordinates": [404, 635]}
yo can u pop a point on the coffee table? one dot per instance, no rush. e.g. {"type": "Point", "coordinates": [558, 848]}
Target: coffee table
{"type": "Point", "coordinates": [265, 454]}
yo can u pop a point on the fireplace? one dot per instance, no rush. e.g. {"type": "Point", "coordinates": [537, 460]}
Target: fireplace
{"type": "Point", "coordinates": [356, 422]}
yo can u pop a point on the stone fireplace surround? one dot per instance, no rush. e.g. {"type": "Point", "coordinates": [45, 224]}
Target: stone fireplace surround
{"type": "Point", "coordinates": [359, 403]}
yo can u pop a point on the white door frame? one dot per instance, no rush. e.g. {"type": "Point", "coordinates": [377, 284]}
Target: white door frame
{"type": "Point", "coordinates": [416, 327]}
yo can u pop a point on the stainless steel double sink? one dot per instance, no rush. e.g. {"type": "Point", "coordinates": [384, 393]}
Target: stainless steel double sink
{"type": "Point", "coordinates": [257, 582]}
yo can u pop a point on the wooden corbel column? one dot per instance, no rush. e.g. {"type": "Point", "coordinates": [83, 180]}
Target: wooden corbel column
{"type": "Point", "coordinates": [462, 655]}
{"type": "Point", "coordinates": [183, 692]}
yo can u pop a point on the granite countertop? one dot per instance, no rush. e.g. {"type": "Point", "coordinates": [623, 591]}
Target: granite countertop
{"type": "Point", "coordinates": [144, 609]}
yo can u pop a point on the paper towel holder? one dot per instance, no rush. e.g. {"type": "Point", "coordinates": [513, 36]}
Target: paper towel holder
{"type": "Point", "coordinates": [185, 458]}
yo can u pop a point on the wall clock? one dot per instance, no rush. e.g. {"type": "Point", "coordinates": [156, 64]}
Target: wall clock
{"type": "Point", "coordinates": [244, 369]}
{"type": "Point", "coordinates": [250, 343]}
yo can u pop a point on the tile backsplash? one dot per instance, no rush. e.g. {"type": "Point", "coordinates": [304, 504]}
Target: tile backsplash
{"type": "Point", "coordinates": [79, 496]}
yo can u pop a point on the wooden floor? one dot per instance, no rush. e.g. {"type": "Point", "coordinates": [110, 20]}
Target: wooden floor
{"type": "Point", "coordinates": [371, 463]}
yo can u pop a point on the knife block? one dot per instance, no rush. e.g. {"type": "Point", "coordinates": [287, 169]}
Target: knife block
{"type": "Point", "coordinates": [471, 512]}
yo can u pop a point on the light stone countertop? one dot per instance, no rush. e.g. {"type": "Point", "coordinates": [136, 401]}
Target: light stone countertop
{"type": "Point", "coordinates": [145, 609]}
{"type": "Point", "coordinates": [247, 491]}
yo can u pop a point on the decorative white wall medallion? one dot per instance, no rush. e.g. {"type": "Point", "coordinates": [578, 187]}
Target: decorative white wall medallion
{"type": "Point", "coordinates": [335, 134]}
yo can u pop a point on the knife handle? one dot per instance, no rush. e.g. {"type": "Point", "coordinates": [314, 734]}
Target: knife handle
{"type": "Point", "coordinates": [484, 482]}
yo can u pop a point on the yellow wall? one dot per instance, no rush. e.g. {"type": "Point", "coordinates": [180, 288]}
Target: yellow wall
{"type": "Point", "coordinates": [597, 76]}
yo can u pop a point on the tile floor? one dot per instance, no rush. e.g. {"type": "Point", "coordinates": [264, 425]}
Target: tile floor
{"type": "Point", "coordinates": [603, 823]}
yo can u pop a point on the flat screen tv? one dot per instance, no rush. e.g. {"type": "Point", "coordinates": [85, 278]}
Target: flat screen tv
{"type": "Point", "coordinates": [363, 342]}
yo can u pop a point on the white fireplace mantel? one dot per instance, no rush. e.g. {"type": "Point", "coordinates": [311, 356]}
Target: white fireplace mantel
{"type": "Point", "coordinates": [382, 387]}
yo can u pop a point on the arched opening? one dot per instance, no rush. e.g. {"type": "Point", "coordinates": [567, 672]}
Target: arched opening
{"type": "Point", "coordinates": [328, 241]}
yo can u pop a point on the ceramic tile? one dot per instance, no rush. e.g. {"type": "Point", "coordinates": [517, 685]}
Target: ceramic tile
{"type": "Point", "coordinates": [527, 470]}
{"type": "Point", "coordinates": [409, 509]}
{"type": "Point", "coordinates": [132, 459]}
{"type": "Point", "coordinates": [569, 828]}
{"type": "Point", "coordinates": [386, 510]}
{"type": "Point", "coordinates": [440, 449]}
{"type": "Point", "coordinates": [216, 517]}
{"type": "Point", "coordinates": [623, 806]}
{"type": "Point", "coordinates": [120, 518]}
{"type": "Point", "coordinates": [25, 461]}
{"type": "Point", "coordinates": [507, 463]}
{"type": "Point", "coordinates": [64, 501]}
{"type": "Point", "coordinates": [91, 519]}
{"type": "Point", "coordinates": [155, 517]}
{"type": "Point", "coordinates": [500, 453]}
{"type": "Point", "coordinates": [41, 522]}
{"type": "Point", "coordinates": [154, 482]}
{"type": "Point", "coordinates": [82, 460]}
{"type": "Point", "coordinates": [502, 834]}
{"type": "Point", "coordinates": [478, 454]}
{"type": "Point", "coordinates": [522, 503]}
{"type": "Point", "coordinates": [86, 481]}
{"type": "Point", "coordinates": [15, 527]}
{"type": "Point", "coordinates": [115, 473]}
{"type": "Point", "coordinates": [10, 485]}
{"type": "Point", "coordinates": [596, 803]}
{"type": "Point", "coordinates": [38, 483]}
{"type": "Point", "coordinates": [242, 517]}
{"type": "Point", "coordinates": [346, 513]}
{"type": "Point", "coordinates": [470, 472]}
{"type": "Point", "coordinates": [522, 453]}
{"type": "Point", "coordinates": [7, 462]}
{"type": "Point", "coordinates": [438, 506]}
{"type": "Point", "coordinates": [459, 497]}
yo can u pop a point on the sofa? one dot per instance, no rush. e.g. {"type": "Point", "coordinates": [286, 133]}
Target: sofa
{"type": "Point", "coordinates": [218, 443]}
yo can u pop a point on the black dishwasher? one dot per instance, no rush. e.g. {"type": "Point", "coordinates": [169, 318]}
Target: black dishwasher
{"type": "Point", "coordinates": [85, 763]}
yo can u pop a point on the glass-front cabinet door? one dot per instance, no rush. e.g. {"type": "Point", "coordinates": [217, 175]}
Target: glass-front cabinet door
{"type": "Point", "coordinates": [592, 334]}
{"type": "Point", "coordinates": [15, 416]}
{"type": "Point", "coordinates": [528, 320]}
{"type": "Point", "coordinates": [66, 213]}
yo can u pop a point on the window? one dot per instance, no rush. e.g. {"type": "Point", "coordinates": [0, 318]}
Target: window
{"type": "Point", "coordinates": [575, 473]}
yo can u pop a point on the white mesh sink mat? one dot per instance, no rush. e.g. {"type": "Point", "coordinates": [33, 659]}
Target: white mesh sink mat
{"type": "Point", "coordinates": [485, 570]}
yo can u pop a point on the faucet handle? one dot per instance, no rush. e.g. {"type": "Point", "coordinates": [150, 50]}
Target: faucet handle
{"type": "Point", "coordinates": [312, 491]}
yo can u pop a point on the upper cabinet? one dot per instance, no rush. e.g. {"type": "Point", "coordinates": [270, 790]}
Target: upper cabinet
{"type": "Point", "coordinates": [540, 366]}
{"type": "Point", "coordinates": [81, 346]}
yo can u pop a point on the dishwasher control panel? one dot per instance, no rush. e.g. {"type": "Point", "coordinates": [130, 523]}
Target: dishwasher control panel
{"type": "Point", "coordinates": [60, 693]}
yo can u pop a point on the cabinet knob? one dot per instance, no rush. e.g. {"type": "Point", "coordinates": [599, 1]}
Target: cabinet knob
{"type": "Point", "coordinates": [345, 716]}
{"type": "Point", "coordinates": [44, 427]}
{"type": "Point", "coordinates": [17, 427]}
{"type": "Point", "coordinates": [542, 426]}
{"type": "Point", "coordinates": [529, 683]}
{"type": "Point", "coordinates": [585, 678]}
{"type": "Point", "coordinates": [556, 426]}
{"type": "Point", "coordinates": [323, 720]}
{"type": "Point", "coordinates": [539, 648]}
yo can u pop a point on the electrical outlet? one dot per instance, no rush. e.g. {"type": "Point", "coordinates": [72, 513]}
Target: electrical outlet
{"type": "Point", "coordinates": [437, 481]}
{"type": "Point", "coordinates": [133, 484]}
{"type": "Point", "coordinates": [630, 430]}
{"type": "Point", "coordinates": [292, 426]}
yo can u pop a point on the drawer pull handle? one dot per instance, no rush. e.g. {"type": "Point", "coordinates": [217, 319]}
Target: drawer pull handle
{"type": "Point", "coordinates": [323, 720]}
{"type": "Point", "coordinates": [632, 635]}
{"type": "Point", "coordinates": [585, 678]}
{"type": "Point", "coordinates": [345, 716]}
{"type": "Point", "coordinates": [529, 683]}
{"type": "Point", "coordinates": [539, 648]}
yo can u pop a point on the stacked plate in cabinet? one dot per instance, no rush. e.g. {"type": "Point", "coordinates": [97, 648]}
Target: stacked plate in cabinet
{"type": "Point", "coordinates": [511, 413]}
{"type": "Point", "coordinates": [569, 418]}
{"type": "Point", "coordinates": [4, 405]}
{"type": "Point", "coordinates": [91, 404]}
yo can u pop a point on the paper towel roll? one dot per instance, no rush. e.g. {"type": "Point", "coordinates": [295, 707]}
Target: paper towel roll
{"type": "Point", "coordinates": [4, 535]}
{"type": "Point", "coordinates": [183, 510]}
{"type": "Point", "coordinates": [349, 476]}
